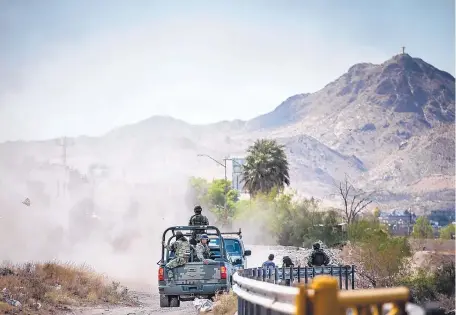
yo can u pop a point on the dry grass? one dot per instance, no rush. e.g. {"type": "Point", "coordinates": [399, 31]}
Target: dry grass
{"type": "Point", "coordinates": [40, 287]}
{"type": "Point", "coordinates": [225, 304]}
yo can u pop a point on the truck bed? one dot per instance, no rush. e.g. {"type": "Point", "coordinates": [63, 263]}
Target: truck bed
{"type": "Point", "coordinates": [196, 279]}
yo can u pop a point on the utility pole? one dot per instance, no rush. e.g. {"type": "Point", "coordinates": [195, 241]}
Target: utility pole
{"type": "Point", "coordinates": [403, 50]}
{"type": "Point", "coordinates": [225, 206]}
{"type": "Point", "coordinates": [64, 143]}
{"type": "Point", "coordinates": [226, 179]}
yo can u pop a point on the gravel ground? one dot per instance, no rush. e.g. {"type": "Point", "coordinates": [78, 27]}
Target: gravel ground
{"type": "Point", "coordinates": [298, 255]}
{"type": "Point", "coordinates": [149, 298]}
{"type": "Point", "coordinates": [149, 304]}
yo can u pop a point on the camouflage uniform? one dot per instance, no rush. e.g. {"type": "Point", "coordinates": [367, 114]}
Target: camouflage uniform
{"type": "Point", "coordinates": [198, 219]}
{"type": "Point", "coordinates": [181, 249]}
{"type": "Point", "coordinates": [203, 251]}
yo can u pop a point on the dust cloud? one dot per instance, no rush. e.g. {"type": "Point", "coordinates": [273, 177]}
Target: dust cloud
{"type": "Point", "coordinates": [109, 207]}
{"type": "Point", "coordinates": [113, 224]}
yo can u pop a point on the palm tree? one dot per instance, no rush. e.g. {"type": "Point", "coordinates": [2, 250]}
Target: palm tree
{"type": "Point", "coordinates": [265, 168]}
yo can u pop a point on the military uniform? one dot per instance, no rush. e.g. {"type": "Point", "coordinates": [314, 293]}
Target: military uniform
{"type": "Point", "coordinates": [181, 249]}
{"type": "Point", "coordinates": [197, 219]}
{"type": "Point", "coordinates": [203, 251]}
{"type": "Point", "coordinates": [317, 258]}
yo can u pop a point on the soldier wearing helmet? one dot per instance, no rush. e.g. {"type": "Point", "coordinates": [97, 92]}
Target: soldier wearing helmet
{"type": "Point", "coordinates": [196, 220]}
{"type": "Point", "coordinates": [202, 248]}
{"type": "Point", "coordinates": [181, 248]}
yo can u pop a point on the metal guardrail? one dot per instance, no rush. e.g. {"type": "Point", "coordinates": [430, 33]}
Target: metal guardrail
{"type": "Point", "coordinates": [321, 297]}
{"type": "Point", "coordinates": [290, 275]}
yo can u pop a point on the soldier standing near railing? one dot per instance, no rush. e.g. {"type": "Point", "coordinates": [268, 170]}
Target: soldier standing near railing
{"type": "Point", "coordinates": [318, 257]}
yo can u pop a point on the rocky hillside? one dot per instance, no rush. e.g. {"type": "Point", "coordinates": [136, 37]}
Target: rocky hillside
{"type": "Point", "coordinates": [390, 127]}
{"type": "Point", "coordinates": [396, 118]}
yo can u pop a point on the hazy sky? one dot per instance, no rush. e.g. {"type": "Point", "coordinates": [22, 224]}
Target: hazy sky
{"type": "Point", "coordinates": [83, 67]}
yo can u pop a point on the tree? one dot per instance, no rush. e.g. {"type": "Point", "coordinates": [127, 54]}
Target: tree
{"type": "Point", "coordinates": [302, 222]}
{"type": "Point", "coordinates": [422, 229]}
{"type": "Point", "coordinates": [428, 284]}
{"type": "Point", "coordinates": [448, 232]}
{"type": "Point", "coordinates": [197, 190]}
{"type": "Point", "coordinates": [211, 195]}
{"type": "Point", "coordinates": [361, 230]}
{"type": "Point", "coordinates": [258, 216]}
{"type": "Point", "coordinates": [215, 200]}
{"type": "Point", "coordinates": [266, 167]}
{"type": "Point", "coordinates": [379, 257]}
{"type": "Point", "coordinates": [354, 200]}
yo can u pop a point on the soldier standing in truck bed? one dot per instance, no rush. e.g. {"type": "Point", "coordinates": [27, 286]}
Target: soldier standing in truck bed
{"type": "Point", "coordinates": [197, 219]}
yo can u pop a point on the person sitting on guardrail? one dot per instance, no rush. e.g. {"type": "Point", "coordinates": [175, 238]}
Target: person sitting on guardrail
{"type": "Point", "coordinates": [318, 257]}
{"type": "Point", "coordinates": [197, 219]}
{"type": "Point", "coordinates": [286, 260]}
{"type": "Point", "coordinates": [181, 248]}
{"type": "Point", "coordinates": [269, 264]}
{"type": "Point", "coordinates": [287, 263]}
{"type": "Point", "coordinates": [202, 249]}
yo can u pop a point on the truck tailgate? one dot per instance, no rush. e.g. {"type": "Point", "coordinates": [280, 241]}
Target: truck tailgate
{"type": "Point", "coordinates": [196, 279]}
{"type": "Point", "coordinates": [195, 272]}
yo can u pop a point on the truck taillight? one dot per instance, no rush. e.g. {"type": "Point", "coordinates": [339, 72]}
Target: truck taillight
{"type": "Point", "coordinates": [161, 274]}
{"type": "Point", "coordinates": [222, 272]}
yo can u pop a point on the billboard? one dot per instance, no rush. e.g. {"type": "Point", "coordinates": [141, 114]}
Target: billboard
{"type": "Point", "coordinates": [236, 180]}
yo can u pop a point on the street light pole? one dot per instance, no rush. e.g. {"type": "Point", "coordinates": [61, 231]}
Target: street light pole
{"type": "Point", "coordinates": [226, 179]}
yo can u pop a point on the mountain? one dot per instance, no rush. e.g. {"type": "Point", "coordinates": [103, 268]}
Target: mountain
{"type": "Point", "coordinates": [396, 117]}
{"type": "Point", "coordinates": [402, 85]}
{"type": "Point", "coordinates": [390, 127]}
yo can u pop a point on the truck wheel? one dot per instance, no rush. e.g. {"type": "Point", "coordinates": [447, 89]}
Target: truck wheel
{"type": "Point", "coordinates": [174, 301]}
{"type": "Point", "coordinates": [164, 300]}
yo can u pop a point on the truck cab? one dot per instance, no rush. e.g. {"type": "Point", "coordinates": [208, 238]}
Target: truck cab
{"type": "Point", "coordinates": [196, 278]}
{"type": "Point", "coordinates": [236, 252]}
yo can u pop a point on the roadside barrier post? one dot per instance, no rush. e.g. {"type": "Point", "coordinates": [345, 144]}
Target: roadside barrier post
{"type": "Point", "coordinates": [302, 301]}
{"type": "Point", "coordinates": [325, 300]}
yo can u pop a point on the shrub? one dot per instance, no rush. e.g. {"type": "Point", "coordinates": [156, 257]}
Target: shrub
{"type": "Point", "coordinates": [54, 283]}
{"type": "Point", "coordinates": [380, 258]}
{"type": "Point", "coordinates": [428, 285]}
{"type": "Point", "coordinates": [448, 231]}
{"type": "Point", "coordinates": [225, 304]}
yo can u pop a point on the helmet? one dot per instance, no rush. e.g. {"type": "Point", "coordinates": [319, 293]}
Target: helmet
{"type": "Point", "coordinates": [316, 246]}
{"type": "Point", "coordinates": [204, 237]}
{"type": "Point", "coordinates": [179, 235]}
{"type": "Point", "coordinates": [197, 209]}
